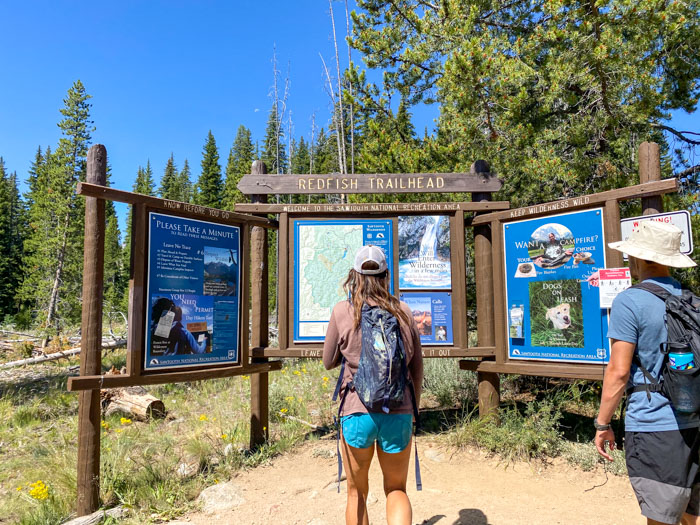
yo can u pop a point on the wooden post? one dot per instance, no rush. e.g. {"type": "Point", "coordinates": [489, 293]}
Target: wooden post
{"type": "Point", "coordinates": [259, 383]}
{"type": "Point", "coordinates": [650, 171]}
{"type": "Point", "coordinates": [489, 383]}
{"type": "Point", "coordinates": [91, 337]}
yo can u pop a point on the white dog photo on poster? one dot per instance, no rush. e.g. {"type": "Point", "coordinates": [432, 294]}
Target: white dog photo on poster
{"type": "Point", "coordinates": [560, 316]}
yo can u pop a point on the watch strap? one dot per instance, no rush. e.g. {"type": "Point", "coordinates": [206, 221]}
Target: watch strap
{"type": "Point", "coordinates": [599, 426]}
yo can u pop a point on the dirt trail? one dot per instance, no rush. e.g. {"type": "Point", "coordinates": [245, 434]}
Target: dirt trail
{"type": "Point", "coordinates": [463, 488]}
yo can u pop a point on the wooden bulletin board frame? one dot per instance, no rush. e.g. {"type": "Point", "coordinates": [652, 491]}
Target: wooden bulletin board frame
{"type": "Point", "coordinates": [609, 201]}
{"type": "Point", "coordinates": [453, 210]}
{"type": "Point", "coordinates": [136, 375]}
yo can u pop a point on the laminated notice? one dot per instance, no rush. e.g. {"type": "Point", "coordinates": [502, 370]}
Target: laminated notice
{"type": "Point", "coordinates": [165, 323]}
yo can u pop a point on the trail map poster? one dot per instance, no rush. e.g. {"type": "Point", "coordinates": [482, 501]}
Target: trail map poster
{"type": "Point", "coordinates": [551, 287]}
{"type": "Point", "coordinates": [432, 312]}
{"type": "Point", "coordinates": [424, 252]}
{"type": "Point", "coordinates": [324, 252]}
{"type": "Point", "coordinates": [193, 310]}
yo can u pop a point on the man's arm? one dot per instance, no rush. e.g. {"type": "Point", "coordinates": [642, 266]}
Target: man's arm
{"type": "Point", "coordinates": [614, 384]}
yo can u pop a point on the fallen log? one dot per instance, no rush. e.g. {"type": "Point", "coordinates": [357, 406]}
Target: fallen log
{"type": "Point", "coordinates": [99, 516]}
{"type": "Point", "coordinates": [133, 401]}
{"type": "Point", "coordinates": [59, 355]}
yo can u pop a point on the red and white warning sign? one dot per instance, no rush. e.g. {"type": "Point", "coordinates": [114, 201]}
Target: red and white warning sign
{"type": "Point", "coordinates": [681, 219]}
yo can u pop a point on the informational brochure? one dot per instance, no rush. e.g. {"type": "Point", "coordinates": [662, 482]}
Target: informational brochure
{"type": "Point", "coordinates": [432, 312]}
{"type": "Point", "coordinates": [612, 282]}
{"type": "Point", "coordinates": [194, 274]}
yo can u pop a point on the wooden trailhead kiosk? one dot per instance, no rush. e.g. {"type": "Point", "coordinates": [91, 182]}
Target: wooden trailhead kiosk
{"type": "Point", "coordinates": [199, 278]}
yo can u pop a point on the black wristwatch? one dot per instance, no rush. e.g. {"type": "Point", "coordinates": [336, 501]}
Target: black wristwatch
{"type": "Point", "coordinates": [600, 427]}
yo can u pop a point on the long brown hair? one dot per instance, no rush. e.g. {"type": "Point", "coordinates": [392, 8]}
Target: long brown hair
{"type": "Point", "coordinates": [360, 288]}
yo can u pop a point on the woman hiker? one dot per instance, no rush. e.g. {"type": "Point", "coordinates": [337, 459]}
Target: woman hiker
{"type": "Point", "coordinates": [369, 306]}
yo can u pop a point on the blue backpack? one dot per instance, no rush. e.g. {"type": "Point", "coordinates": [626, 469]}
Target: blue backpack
{"type": "Point", "coordinates": [382, 373]}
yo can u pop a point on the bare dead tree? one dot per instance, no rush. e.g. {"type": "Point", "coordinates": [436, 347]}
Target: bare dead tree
{"type": "Point", "coordinates": [340, 124]}
{"type": "Point", "coordinates": [331, 94]}
{"type": "Point", "coordinates": [352, 101]}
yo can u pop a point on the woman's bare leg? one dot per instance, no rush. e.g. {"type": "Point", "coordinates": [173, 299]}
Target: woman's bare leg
{"type": "Point", "coordinates": [357, 461]}
{"type": "Point", "coordinates": [395, 472]}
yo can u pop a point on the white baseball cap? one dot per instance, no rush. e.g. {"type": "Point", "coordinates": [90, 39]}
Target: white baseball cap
{"type": "Point", "coordinates": [370, 253]}
{"type": "Point", "coordinates": [655, 241]}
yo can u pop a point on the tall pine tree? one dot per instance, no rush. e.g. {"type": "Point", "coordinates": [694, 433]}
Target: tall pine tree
{"type": "Point", "coordinates": [169, 183]}
{"type": "Point", "coordinates": [274, 154]}
{"type": "Point", "coordinates": [11, 230]}
{"type": "Point", "coordinates": [210, 187]}
{"type": "Point", "coordinates": [240, 160]}
{"type": "Point", "coordinates": [53, 248]}
{"type": "Point", "coordinates": [184, 183]}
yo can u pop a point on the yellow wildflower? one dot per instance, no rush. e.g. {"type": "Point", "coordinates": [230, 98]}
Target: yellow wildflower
{"type": "Point", "coordinates": [19, 488]}
{"type": "Point", "coordinates": [224, 436]}
{"type": "Point", "coordinates": [297, 373]}
{"type": "Point", "coordinates": [203, 417]}
{"type": "Point", "coordinates": [326, 379]}
{"type": "Point", "coordinates": [245, 377]}
{"type": "Point", "coordinates": [38, 490]}
{"type": "Point", "coordinates": [125, 421]}
{"type": "Point", "coordinates": [118, 430]}
{"type": "Point", "coordinates": [283, 410]}
{"type": "Point", "coordinates": [289, 399]}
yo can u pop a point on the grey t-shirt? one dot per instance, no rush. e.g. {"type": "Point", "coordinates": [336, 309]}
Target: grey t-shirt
{"type": "Point", "coordinates": [637, 317]}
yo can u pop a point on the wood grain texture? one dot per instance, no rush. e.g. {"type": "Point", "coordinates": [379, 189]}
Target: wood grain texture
{"type": "Point", "coordinates": [611, 225]}
{"type": "Point", "coordinates": [89, 407]}
{"type": "Point", "coordinates": [182, 209]}
{"type": "Point", "coordinates": [402, 208]}
{"type": "Point", "coordinates": [488, 384]}
{"type": "Point", "coordinates": [459, 280]}
{"type": "Point", "coordinates": [285, 292]}
{"type": "Point", "coordinates": [137, 290]}
{"type": "Point", "coordinates": [259, 381]}
{"type": "Point", "coordinates": [650, 171]}
{"type": "Point", "coordinates": [532, 368]}
{"type": "Point", "coordinates": [428, 351]}
{"type": "Point", "coordinates": [585, 201]}
{"type": "Point", "coordinates": [117, 381]}
{"type": "Point", "coordinates": [369, 183]}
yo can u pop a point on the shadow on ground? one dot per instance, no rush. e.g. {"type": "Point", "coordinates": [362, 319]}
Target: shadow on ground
{"type": "Point", "coordinates": [466, 517]}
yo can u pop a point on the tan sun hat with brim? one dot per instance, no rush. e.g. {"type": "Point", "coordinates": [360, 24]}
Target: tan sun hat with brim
{"type": "Point", "coordinates": [655, 241]}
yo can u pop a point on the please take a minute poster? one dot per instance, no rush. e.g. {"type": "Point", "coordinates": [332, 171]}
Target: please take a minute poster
{"type": "Point", "coordinates": [553, 304]}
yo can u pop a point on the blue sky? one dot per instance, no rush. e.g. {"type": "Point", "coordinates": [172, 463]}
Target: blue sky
{"type": "Point", "coordinates": [162, 74]}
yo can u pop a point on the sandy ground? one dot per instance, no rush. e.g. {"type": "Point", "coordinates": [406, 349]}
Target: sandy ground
{"type": "Point", "coordinates": [462, 488]}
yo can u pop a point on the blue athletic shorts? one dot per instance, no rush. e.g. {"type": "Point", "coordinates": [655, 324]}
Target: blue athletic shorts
{"type": "Point", "coordinates": [392, 432]}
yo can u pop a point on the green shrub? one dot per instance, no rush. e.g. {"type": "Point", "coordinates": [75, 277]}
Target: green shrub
{"type": "Point", "coordinates": [514, 435]}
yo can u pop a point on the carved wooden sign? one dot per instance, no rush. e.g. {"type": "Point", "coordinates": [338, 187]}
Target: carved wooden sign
{"type": "Point", "coordinates": [371, 183]}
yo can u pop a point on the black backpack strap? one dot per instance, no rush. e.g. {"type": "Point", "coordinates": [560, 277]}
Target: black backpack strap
{"type": "Point", "coordinates": [652, 386]}
{"type": "Point", "coordinates": [337, 419]}
{"type": "Point", "coordinates": [658, 291]}
{"type": "Point", "coordinates": [412, 390]}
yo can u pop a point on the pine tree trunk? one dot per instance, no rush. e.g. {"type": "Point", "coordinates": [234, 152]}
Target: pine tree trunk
{"type": "Point", "coordinates": [51, 315]}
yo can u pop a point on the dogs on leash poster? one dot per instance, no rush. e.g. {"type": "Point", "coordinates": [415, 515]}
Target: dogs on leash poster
{"type": "Point", "coordinates": [552, 296]}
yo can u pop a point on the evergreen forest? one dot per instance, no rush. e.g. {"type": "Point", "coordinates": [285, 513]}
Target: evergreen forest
{"type": "Point", "coordinates": [557, 95]}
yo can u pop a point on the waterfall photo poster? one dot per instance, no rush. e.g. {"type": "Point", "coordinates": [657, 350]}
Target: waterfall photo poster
{"type": "Point", "coordinates": [424, 252]}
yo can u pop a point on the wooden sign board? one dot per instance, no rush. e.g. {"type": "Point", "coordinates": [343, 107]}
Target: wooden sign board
{"type": "Point", "coordinates": [426, 253]}
{"type": "Point", "coordinates": [188, 299]}
{"type": "Point", "coordinates": [370, 183]}
{"type": "Point", "coordinates": [568, 221]}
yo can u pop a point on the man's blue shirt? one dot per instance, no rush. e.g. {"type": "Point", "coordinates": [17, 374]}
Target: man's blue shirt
{"type": "Point", "coordinates": [638, 317]}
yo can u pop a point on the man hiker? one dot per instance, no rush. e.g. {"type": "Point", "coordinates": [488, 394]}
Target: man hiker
{"type": "Point", "coordinates": [661, 444]}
